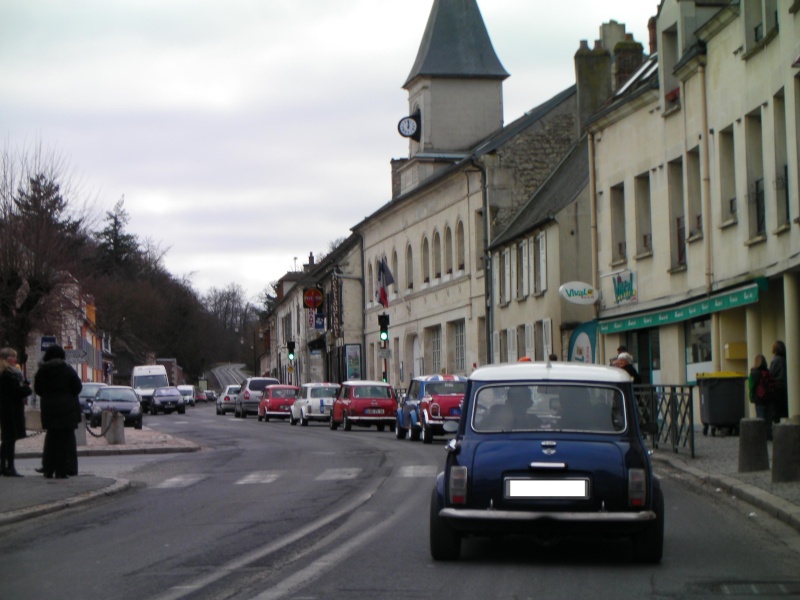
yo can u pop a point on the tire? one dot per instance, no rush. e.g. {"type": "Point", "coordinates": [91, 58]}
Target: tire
{"type": "Point", "coordinates": [244, 413]}
{"type": "Point", "coordinates": [266, 418]}
{"type": "Point", "coordinates": [347, 425]}
{"type": "Point", "coordinates": [259, 417]}
{"type": "Point", "coordinates": [182, 411]}
{"type": "Point", "coordinates": [153, 410]}
{"type": "Point", "coordinates": [303, 419]}
{"type": "Point", "coordinates": [333, 424]}
{"type": "Point", "coordinates": [648, 544]}
{"type": "Point", "coordinates": [427, 433]}
{"type": "Point", "coordinates": [400, 432]}
{"type": "Point", "coordinates": [292, 420]}
{"type": "Point", "coordinates": [413, 433]}
{"type": "Point", "coordinates": [445, 542]}
{"type": "Point", "coordinates": [138, 424]}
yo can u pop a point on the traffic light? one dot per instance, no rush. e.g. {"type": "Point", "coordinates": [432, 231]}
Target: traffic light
{"type": "Point", "coordinates": [383, 323]}
{"type": "Point", "coordinates": [290, 348]}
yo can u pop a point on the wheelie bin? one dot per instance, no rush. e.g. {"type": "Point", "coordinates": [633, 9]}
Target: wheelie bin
{"type": "Point", "coordinates": [722, 400]}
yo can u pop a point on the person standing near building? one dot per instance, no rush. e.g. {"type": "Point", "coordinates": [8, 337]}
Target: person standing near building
{"type": "Point", "coordinates": [13, 391]}
{"type": "Point", "coordinates": [625, 362]}
{"type": "Point", "coordinates": [760, 392]}
{"type": "Point", "coordinates": [58, 385]}
{"type": "Point", "coordinates": [777, 373]}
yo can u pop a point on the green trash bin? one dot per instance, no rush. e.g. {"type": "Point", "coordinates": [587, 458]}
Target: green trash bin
{"type": "Point", "coordinates": [722, 400]}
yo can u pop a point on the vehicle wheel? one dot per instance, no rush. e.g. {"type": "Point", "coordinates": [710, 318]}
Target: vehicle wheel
{"type": "Point", "coordinates": [266, 418]}
{"type": "Point", "coordinates": [259, 417]}
{"type": "Point", "coordinates": [381, 427]}
{"type": "Point", "coordinates": [244, 413]}
{"type": "Point", "coordinates": [347, 426]}
{"type": "Point", "coordinates": [138, 424]}
{"type": "Point", "coordinates": [181, 411]}
{"type": "Point", "coordinates": [648, 544]}
{"type": "Point", "coordinates": [413, 433]}
{"type": "Point", "coordinates": [427, 434]}
{"type": "Point", "coordinates": [303, 419]}
{"type": "Point", "coordinates": [153, 410]}
{"type": "Point", "coordinates": [445, 542]}
{"type": "Point", "coordinates": [292, 420]}
{"type": "Point", "coordinates": [400, 432]}
{"type": "Point", "coordinates": [333, 424]}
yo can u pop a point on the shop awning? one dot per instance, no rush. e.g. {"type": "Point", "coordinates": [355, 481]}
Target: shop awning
{"type": "Point", "coordinates": [733, 299]}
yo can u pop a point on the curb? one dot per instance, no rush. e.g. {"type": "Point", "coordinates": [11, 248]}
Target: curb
{"type": "Point", "coordinates": [111, 451]}
{"type": "Point", "coordinates": [772, 505]}
{"type": "Point", "coordinates": [22, 514]}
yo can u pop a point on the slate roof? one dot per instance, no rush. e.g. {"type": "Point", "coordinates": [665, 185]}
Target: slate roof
{"type": "Point", "coordinates": [560, 189]}
{"type": "Point", "coordinates": [456, 44]}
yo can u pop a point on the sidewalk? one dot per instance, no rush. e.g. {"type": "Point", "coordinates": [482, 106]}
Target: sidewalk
{"type": "Point", "coordinates": [715, 464]}
{"type": "Point", "coordinates": [33, 495]}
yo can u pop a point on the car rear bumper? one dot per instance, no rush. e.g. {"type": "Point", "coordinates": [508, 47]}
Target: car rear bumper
{"type": "Point", "coordinates": [372, 420]}
{"type": "Point", "coordinates": [487, 521]}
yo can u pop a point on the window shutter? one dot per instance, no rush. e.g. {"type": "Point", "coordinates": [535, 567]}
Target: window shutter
{"type": "Point", "coordinates": [547, 336]}
{"type": "Point", "coordinates": [543, 262]}
{"type": "Point", "coordinates": [511, 344]}
{"type": "Point", "coordinates": [529, 340]}
{"type": "Point", "coordinates": [496, 347]}
{"type": "Point", "coordinates": [512, 253]}
{"type": "Point", "coordinates": [507, 273]}
{"type": "Point", "coordinates": [525, 269]}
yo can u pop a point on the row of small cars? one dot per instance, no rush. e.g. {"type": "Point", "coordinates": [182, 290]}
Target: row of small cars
{"type": "Point", "coordinates": [545, 450]}
{"type": "Point", "coordinates": [418, 414]}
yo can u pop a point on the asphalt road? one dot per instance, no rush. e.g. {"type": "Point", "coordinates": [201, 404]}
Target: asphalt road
{"type": "Point", "coordinates": [267, 510]}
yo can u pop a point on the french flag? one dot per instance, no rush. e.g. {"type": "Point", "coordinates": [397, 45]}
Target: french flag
{"type": "Point", "coordinates": [385, 279]}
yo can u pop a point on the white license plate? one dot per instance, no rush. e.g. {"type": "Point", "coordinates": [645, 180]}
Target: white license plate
{"type": "Point", "coordinates": [547, 488]}
{"type": "Point", "coordinates": [373, 411]}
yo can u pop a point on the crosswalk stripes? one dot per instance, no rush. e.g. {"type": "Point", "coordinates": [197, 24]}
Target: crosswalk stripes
{"type": "Point", "coordinates": [266, 477]}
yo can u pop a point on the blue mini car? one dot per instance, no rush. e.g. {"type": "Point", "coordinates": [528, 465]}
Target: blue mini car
{"type": "Point", "coordinates": [548, 450]}
{"type": "Point", "coordinates": [430, 402]}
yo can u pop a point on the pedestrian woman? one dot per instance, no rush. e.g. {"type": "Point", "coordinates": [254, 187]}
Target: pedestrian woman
{"type": "Point", "coordinates": [777, 373]}
{"type": "Point", "coordinates": [58, 385]}
{"type": "Point", "coordinates": [760, 393]}
{"type": "Point", "coordinates": [13, 391]}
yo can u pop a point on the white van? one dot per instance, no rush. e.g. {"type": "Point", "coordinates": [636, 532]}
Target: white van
{"type": "Point", "coordinates": [145, 379]}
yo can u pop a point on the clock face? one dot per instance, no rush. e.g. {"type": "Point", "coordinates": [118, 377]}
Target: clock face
{"type": "Point", "coordinates": [407, 126]}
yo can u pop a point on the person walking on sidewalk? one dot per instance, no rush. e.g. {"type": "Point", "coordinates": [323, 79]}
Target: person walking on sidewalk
{"type": "Point", "coordinates": [13, 391]}
{"type": "Point", "coordinates": [58, 385]}
{"type": "Point", "coordinates": [777, 373]}
{"type": "Point", "coordinates": [760, 393]}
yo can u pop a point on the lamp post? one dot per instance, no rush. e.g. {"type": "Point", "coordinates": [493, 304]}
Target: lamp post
{"type": "Point", "coordinates": [255, 359]}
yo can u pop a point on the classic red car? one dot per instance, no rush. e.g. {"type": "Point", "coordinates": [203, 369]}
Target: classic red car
{"type": "Point", "coordinates": [276, 402]}
{"type": "Point", "coordinates": [431, 400]}
{"type": "Point", "coordinates": [364, 403]}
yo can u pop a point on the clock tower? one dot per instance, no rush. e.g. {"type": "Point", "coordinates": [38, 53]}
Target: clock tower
{"type": "Point", "coordinates": [455, 88]}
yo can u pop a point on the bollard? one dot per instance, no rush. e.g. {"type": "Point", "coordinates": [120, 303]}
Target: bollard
{"type": "Point", "coordinates": [785, 452]}
{"type": "Point", "coordinates": [105, 420]}
{"type": "Point", "coordinates": [753, 455]}
{"type": "Point", "coordinates": [116, 430]}
{"type": "Point", "coordinates": [80, 433]}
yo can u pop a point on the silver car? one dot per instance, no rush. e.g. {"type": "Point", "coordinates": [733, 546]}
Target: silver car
{"type": "Point", "coordinates": [313, 403]}
{"type": "Point", "coordinates": [250, 395]}
{"type": "Point", "coordinates": [226, 401]}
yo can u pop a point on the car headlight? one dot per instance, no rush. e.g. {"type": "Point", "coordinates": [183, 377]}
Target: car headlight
{"type": "Point", "coordinates": [96, 410]}
{"type": "Point", "coordinates": [137, 408]}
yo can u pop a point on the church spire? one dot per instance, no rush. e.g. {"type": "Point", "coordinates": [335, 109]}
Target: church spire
{"type": "Point", "coordinates": [456, 45]}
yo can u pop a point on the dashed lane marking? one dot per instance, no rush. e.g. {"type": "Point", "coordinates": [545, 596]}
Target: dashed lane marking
{"type": "Point", "coordinates": [180, 481]}
{"type": "Point", "coordinates": [260, 477]}
{"type": "Point", "coordinates": [335, 474]}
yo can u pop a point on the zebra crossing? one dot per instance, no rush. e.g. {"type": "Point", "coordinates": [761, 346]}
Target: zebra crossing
{"type": "Point", "coordinates": [267, 477]}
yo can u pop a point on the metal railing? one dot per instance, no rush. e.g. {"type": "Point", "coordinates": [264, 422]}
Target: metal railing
{"type": "Point", "coordinates": [671, 407]}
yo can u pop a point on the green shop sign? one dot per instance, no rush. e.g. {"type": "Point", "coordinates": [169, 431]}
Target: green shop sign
{"type": "Point", "coordinates": [735, 299]}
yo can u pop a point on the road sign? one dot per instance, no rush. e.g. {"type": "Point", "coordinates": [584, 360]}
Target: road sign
{"type": "Point", "coordinates": [384, 353]}
{"type": "Point", "coordinates": [312, 297]}
{"type": "Point", "coordinates": [75, 356]}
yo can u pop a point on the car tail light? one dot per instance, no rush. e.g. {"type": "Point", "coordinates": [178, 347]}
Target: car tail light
{"type": "Point", "coordinates": [246, 395]}
{"type": "Point", "coordinates": [436, 410]}
{"type": "Point", "coordinates": [637, 488]}
{"type": "Point", "coordinates": [458, 485]}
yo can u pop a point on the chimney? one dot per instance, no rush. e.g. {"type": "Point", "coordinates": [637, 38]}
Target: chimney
{"type": "Point", "coordinates": [651, 28]}
{"type": "Point", "coordinates": [628, 57]}
{"type": "Point", "coordinates": [593, 79]}
{"type": "Point", "coordinates": [397, 164]}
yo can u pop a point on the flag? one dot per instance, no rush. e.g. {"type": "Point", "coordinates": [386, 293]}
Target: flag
{"type": "Point", "coordinates": [385, 279]}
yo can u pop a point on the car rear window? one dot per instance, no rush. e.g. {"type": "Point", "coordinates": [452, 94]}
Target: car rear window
{"type": "Point", "coordinates": [324, 392]}
{"type": "Point", "coordinates": [283, 393]}
{"type": "Point", "coordinates": [106, 395]}
{"type": "Point", "coordinates": [258, 385]}
{"type": "Point", "coordinates": [443, 388]}
{"type": "Point", "coordinates": [559, 407]}
{"type": "Point", "coordinates": [372, 391]}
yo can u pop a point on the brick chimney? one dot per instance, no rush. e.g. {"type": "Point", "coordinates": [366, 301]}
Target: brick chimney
{"type": "Point", "coordinates": [593, 79]}
{"type": "Point", "coordinates": [651, 28]}
{"type": "Point", "coordinates": [628, 57]}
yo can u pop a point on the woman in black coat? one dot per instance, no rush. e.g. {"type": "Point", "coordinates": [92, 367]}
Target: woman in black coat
{"type": "Point", "coordinates": [13, 391]}
{"type": "Point", "coordinates": [58, 386]}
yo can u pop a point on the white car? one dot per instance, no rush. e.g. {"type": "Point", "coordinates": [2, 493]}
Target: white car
{"type": "Point", "coordinates": [187, 391]}
{"type": "Point", "coordinates": [226, 401]}
{"type": "Point", "coordinates": [313, 403]}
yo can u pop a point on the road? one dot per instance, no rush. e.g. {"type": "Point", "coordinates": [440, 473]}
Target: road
{"type": "Point", "coordinates": [266, 510]}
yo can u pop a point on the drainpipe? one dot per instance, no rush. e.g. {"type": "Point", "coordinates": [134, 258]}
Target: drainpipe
{"type": "Point", "coordinates": [601, 354]}
{"type": "Point", "coordinates": [706, 188]}
{"type": "Point", "coordinates": [487, 263]}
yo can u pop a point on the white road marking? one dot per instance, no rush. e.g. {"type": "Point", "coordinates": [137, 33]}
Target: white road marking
{"type": "Point", "coordinates": [336, 474]}
{"type": "Point", "coordinates": [260, 477]}
{"type": "Point", "coordinates": [418, 471]}
{"type": "Point", "coordinates": [180, 481]}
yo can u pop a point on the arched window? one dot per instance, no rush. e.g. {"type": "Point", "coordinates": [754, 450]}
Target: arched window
{"type": "Point", "coordinates": [460, 251]}
{"type": "Point", "coordinates": [370, 285]}
{"type": "Point", "coordinates": [409, 268]}
{"type": "Point", "coordinates": [426, 261]}
{"type": "Point", "coordinates": [437, 255]}
{"type": "Point", "coordinates": [448, 250]}
{"type": "Point", "coordinates": [395, 272]}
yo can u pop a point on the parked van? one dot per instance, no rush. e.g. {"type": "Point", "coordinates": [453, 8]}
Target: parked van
{"type": "Point", "coordinates": [146, 378]}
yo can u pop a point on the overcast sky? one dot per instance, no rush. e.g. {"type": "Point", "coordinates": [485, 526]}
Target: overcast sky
{"type": "Point", "coordinates": [245, 134]}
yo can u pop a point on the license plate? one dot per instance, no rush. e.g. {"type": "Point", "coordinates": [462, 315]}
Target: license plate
{"type": "Point", "coordinates": [373, 411]}
{"type": "Point", "coordinates": [455, 412]}
{"type": "Point", "coordinates": [547, 488]}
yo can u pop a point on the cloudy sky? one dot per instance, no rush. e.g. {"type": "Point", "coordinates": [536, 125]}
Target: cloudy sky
{"type": "Point", "coordinates": [245, 134]}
